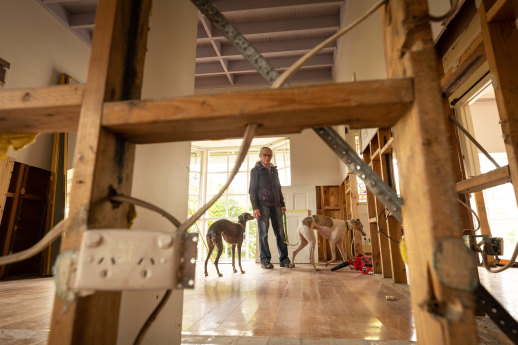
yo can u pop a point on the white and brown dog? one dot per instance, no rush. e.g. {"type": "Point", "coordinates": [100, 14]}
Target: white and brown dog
{"type": "Point", "coordinates": [332, 229]}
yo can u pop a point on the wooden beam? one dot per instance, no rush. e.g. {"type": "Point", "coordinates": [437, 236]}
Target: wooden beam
{"type": "Point", "coordinates": [472, 58]}
{"type": "Point", "coordinates": [219, 116]}
{"type": "Point", "coordinates": [490, 179]}
{"type": "Point", "coordinates": [503, 10]}
{"type": "Point", "coordinates": [484, 222]}
{"type": "Point", "coordinates": [393, 227]}
{"type": "Point", "coordinates": [43, 110]}
{"type": "Point", "coordinates": [501, 44]}
{"type": "Point", "coordinates": [427, 184]}
{"type": "Point", "coordinates": [278, 111]}
{"type": "Point", "coordinates": [6, 171]}
{"type": "Point", "coordinates": [102, 163]}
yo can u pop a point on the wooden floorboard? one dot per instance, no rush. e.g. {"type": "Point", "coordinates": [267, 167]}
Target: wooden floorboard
{"type": "Point", "coordinates": [278, 306]}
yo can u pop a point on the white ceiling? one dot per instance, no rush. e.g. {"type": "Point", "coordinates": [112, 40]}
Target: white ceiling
{"type": "Point", "coordinates": [282, 30]}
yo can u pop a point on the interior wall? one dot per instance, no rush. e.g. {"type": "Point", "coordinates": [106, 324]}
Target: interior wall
{"type": "Point", "coordinates": [312, 162]}
{"type": "Point", "coordinates": [38, 48]}
{"type": "Point", "coordinates": [360, 53]}
{"type": "Point", "coordinates": [161, 172]}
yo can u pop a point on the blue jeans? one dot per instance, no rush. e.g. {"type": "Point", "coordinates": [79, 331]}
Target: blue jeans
{"type": "Point", "coordinates": [275, 214]}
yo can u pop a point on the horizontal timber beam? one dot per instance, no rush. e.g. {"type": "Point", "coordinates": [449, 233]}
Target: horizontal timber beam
{"type": "Point", "coordinates": [42, 110]}
{"type": "Point", "coordinates": [376, 103]}
{"type": "Point", "coordinates": [490, 179]}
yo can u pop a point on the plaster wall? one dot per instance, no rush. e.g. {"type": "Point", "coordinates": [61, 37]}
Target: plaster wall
{"type": "Point", "coordinates": [38, 48]}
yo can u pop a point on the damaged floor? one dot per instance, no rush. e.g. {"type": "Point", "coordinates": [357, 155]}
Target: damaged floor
{"type": "Point", "coordinates": [279, 306]}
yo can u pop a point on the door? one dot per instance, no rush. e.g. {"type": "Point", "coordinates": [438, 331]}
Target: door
{"type": "Point", "coordinates": [300, 202]}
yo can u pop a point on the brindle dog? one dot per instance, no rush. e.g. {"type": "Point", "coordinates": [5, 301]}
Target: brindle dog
{"type": "Point", "coordinates": [233, 233]}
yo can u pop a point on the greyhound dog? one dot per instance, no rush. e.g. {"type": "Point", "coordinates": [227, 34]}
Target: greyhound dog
{"type": "Point", "coordinates": [332, 229]}
{"type": "Point", "coordinates": [233, 233]}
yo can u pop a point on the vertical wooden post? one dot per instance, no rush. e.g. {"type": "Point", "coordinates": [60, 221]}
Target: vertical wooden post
{"type": "Point", "coordinates": [102, 162]}
{"type": "Point", "coordinates": [373, 226]}
{"type": "Point", "coordinates": [6, 170]}
{"type": "Point", "coordinates": [384, 245]}
{"type": "Point", "coordinates": [501, 45]}
{"type": "Point", "coordinates": [482, 216]}
{"type": "Point", "coordinates": [393, 227]}
{"type": "Point", "coordinates": [430, 214]}
{"type": "Point", "coordinates": [354, 199]}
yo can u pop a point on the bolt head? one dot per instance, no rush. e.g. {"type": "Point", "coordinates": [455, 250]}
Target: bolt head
{"type": "Point", "coordinates": [165, 241]}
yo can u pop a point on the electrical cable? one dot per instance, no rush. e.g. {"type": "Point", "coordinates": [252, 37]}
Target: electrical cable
{"type": "Point", "coordinates": [145, 204]}
{"type": "Point", "coordinates": [279, 82]}
{"type": "Point", "coordinates": [474, 213]}
{"type": "Point", "coordinates": [473, 140]}
{"type": "Point", "coordinates": [151, 318]}
{"type": "Point", "coordinates": [35, 249]}
{"type": "Point", "coordinates": [380, 228]}
{"type": "Point", "coordinates": [243, 150]}
{"type": "Point", "coordinates": [498, 270]}
{"type": "Point", "coordinates": [446, 15]}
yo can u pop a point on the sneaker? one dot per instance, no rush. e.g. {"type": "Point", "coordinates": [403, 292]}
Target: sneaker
{"type": "Point", "coordinates": [286, 264]}
{"type": "Point", "coordinates": [267, 265]}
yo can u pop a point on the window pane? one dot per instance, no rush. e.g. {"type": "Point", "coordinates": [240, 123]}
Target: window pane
{"type": "Point", "coordinates": [237, 205]}
{"type": "Point", "coordinates": [195, 161]}
{"type": "Point", "coordinates": [253, 157]}
{"type": "Point", "coordinates": [217, 161]}
{"type": "Point", "coordinates": [215, 182]}
{"type": "Point", "coordinates": [219, 208]}
{"type": "Point", "coordinates": [238, 185]}
{"type": "Point", "coordinates": [232, 157]}
{"type": "Point", "coordinates": [194, 183]}
{"type": "Point", "coordinates": [193, 204]}
{"type": "Point", "coordinates": [251, 239]}
{"type": "Point", "coordinates": [279, 158]}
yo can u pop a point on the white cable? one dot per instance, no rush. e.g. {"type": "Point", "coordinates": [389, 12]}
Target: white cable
{"type": "Point", "coordinates": [145, 204]}
{"type": "Point", "coordinates": [446, 15]}
{"type": "Point", "coordinates": [35, 249]}
{"type": "Point", "coordinates": [293, 68]}
{"type": "Point", "coordinates": [243, 150]}
{"type": "Point", "coordinates": [474, 213]}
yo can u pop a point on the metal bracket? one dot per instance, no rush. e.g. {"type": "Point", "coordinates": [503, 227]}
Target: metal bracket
{"type": "Point", "coordinates": [344, 151]}
{"type": "Point", "coordinates": [497, 313]}
{"type": "Point", "coordinates": [122, 259]}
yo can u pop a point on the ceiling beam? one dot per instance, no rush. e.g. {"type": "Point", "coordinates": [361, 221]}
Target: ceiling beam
{"type": "Point", "coordinates": [268, 49]}
{"type": "Point", "coordinates": [274, 28]}
{"type": "Point", "coordinates": [279, 63]}
{"type": "Point", "coordinates": [249, 5]}
{"type": "Point", "coordinates": [82, 20]}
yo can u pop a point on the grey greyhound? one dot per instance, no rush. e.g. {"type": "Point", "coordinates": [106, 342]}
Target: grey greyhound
{"type": "Point", "coordinates": [233, 233]}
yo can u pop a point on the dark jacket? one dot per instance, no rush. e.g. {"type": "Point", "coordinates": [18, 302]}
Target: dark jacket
{"type": "Point", "coordinates": [265, 187]}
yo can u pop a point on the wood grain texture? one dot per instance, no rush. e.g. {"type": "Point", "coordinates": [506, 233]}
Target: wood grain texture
{"type": "Point", "coordinates": [490, 179]}
{"type": "Point", "coordinates": [427, 179]}
{"type": "Point", "coordinates": [469, 62]}
{"type": "Point", "coordinates": [102, 162]}
{"type": "Point", "coordinates": [503, 10]}
{"type": "Point", "coordinates": [277, 111]}
{"type": "Point", "coordinates": [501, 44]}
{"type": "Point", "coordinates": [6, 170]}
{"type": "Point", "coordinates": [484, 222]}
{"type": "Point", "coordinates": [42, 110]}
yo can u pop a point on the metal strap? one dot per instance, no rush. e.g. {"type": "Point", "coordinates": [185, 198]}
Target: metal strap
{"type": "Point", "coordinates": [497, 313]}
{"type": "Point", "coordinates": [344, 151]}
